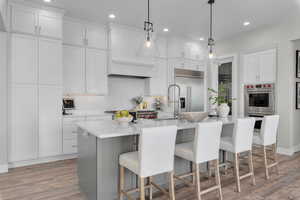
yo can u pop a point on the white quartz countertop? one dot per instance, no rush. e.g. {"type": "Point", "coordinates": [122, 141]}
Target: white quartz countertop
{"type": "Point", "coordinates": [108, 128]}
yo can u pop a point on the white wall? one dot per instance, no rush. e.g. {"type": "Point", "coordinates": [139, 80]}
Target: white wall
{"type": "Point", "coordinates": [3, 102]}
{"type": "Point", "coordinates": [296, 139]}
{"type": "Point", "coordinates": [279, 36]}
{"type": "Point", "coordinates": [3, 14]}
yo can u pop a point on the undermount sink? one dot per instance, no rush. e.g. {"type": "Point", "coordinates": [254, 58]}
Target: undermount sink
{"type": "Point", "coordinates": [193, 116]}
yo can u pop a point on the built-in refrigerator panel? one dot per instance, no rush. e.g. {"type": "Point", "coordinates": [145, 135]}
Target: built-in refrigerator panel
{"type": "Point", "coordinates": [192, 90]}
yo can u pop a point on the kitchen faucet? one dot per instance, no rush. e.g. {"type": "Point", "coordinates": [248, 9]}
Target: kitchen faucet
{"type": "Point", "coordinates": [176, 113]}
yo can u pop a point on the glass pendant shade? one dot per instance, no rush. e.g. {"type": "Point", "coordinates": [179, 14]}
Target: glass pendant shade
{"type": "Point", "coordinates": [148, 48]}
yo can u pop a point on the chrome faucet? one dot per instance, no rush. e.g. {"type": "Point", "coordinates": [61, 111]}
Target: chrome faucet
{"type": "Point", "coordinates": [176, 113]}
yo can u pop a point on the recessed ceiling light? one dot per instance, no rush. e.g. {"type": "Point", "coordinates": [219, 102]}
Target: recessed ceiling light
{"type": "Point", "coordinates": [201, 39]}
{"type": "Point", "coordinates": [112, 16]}
{"type": "Point", "coordinates": [47, 1]}
{"type": "Point", "coordinates": [246, 23]}
{"type": "Point", "coordinates": [166, 30]}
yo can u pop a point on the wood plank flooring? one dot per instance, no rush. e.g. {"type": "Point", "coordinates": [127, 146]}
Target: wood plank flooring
{"type": "Point", "coordinates": [58, 181]}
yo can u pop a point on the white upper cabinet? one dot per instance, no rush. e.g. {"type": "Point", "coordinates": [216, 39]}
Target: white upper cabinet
{"type": "Point", "coordinates": [268, 66]}
{"type": "Point", "coordinates": [96, 37]}
{"type": "Point", "coordinates": [50, 121]}
{"type": "Point", "coordinates": [96, 71]}
{"type": "Point", "coordinates": [50, 62]}
{"type": "Point", "coordinates": [78, 33]}
{"type": "Point", "coordinates": [158, 84]}
{"type": "Point", "coordinates": [23, 123]}
{"type": "Point", "coordinates": [36, 22]}
{"type": "Point", "coordinates": [73, 33]}
{"type": "Point", "coordinates": [260, 67]}
{"type": "Point", "coordinates": [50, 25]}
{"type": "Point", "coordinates": [23, 20]}
{"type": "Point", "coordinates": [251, 68]}
{"type": "Point", "coordinates": [24, 59]}
{"type": "Point", "coordinates": [73, 70]}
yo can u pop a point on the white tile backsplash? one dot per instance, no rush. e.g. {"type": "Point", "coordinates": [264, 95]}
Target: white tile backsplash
{"type": "Point", "coordinates": [121, 91]}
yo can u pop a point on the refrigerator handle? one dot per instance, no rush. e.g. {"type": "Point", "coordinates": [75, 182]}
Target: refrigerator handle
{"type": "Point", "coordinates": [189, 99]}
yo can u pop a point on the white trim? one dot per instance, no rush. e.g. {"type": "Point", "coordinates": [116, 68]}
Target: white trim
{"type": "Point", "coordinates": [41, 160]}
{"type": "Point", "coordinates": [297, 148]}
{"type": "Point", "coordinates": [3, 168]}
{"type": "Point", "coordinates": [285, 151]}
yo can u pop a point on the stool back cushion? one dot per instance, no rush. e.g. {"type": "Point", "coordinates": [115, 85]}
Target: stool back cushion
{"type": "Point", "coordinates": [269, 129]}
{"type": "Point", "coordinates": [156, 150]}
{"type": "Point", "coordinates": [243, 134]}
{"type": "Point", "coordinates": [207, 141]}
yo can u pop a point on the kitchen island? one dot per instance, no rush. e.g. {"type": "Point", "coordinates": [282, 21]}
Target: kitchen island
{"type": "Point", "coordinates": [101, 142]}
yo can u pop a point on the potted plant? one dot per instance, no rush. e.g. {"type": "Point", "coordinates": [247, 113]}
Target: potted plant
{"type": "Point", "coordinates": [219, 99]}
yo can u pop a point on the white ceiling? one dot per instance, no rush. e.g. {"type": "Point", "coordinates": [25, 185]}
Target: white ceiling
{"type": "Point", "coordinates": [184, 17]}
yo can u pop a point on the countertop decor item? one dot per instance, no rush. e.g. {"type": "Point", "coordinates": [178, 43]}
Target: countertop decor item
{"type": "Point", "coordinates": [218, 97]}
{"type": "Point", "coordinates": [139, 102]}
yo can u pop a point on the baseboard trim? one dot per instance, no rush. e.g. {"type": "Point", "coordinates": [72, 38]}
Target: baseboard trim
{"type": "Point", "coordinates": [285, 151]}
{"type": "Point", "coordinates": [3, 168]}
{"type": "Point", "coordinates": [41, 160]}
{"type": "Point", "coordinates": [297, 148]}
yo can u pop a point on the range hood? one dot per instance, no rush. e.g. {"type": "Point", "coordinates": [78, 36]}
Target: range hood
{"type": "Point", "coordinates": [189, 73]}
{"type": "Point", "coordinates": [131, 68]}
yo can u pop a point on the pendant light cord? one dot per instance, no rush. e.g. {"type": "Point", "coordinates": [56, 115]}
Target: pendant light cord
{"type": "Point", "coordinates": [211, 18]}
{"type": "Point", "coordinates": [148, 10]}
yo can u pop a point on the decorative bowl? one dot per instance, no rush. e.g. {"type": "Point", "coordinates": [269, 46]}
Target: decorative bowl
{"type": "Point", "coordinates": [193, 116]}
{"type": "Point", "coordinates": [124, 121]}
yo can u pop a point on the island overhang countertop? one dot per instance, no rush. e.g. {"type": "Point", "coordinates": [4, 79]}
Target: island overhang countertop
{"type": "Point", "coordinates": [110, 129]}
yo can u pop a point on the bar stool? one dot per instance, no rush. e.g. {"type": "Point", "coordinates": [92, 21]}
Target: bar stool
{"type": "Point", "coordinates": [204, 148]}
{"type": "Point", "coordinates": [155, 156]}
{"type": "Point", "coordinates": [268, 137]}
{"type": "Point", "coordinates": [241, 141]}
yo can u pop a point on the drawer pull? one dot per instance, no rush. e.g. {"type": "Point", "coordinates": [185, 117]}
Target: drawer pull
{"type": "Point", "coordinates": [74, 146]}
{"type": "Point", "coordinates": [74, 132]}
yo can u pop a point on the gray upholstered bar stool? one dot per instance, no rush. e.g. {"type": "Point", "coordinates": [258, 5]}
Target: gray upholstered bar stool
{"type": "Point", "coordinates": [268, 137]}
{"type": "Point", "coordinates": [240, 142]}
{"type": "Point", "coordinates": [205, 148]}
{"type": "Point", "coordinates": [155, 156]}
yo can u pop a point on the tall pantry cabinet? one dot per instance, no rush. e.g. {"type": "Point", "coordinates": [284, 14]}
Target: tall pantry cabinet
{"type": "Point", "coordinates": [35, 83]}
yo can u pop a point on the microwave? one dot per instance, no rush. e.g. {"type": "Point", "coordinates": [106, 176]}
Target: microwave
{"type": "Point", "coordinates": [260, 99]}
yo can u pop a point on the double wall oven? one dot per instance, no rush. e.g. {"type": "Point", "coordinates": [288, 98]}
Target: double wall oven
{"type": "Point", "coordinates": [260, 100]}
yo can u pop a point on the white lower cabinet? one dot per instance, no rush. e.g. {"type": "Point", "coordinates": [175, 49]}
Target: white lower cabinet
{"type": "Point", "coordinates": [50, 121]}
{"type": "Point", "coordinates": [23, 123]}
{"type": "Point", "coordinates": [70, 135]}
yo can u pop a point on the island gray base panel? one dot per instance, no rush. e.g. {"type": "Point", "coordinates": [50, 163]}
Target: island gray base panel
{"type": "Point", "coordinates": [98, 165]}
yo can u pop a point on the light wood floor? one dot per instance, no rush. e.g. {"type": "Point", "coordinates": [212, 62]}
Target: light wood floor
{"type": "Point", "coordinates": [58, 181]}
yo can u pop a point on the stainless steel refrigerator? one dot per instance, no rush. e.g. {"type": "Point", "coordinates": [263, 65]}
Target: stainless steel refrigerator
{"type": "Point", "coordinates": [192, 92]}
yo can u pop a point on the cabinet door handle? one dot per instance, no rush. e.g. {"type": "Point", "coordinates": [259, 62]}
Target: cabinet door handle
{"type": "Point", "coordinates": [36, 29]}
{"type": "Point", "coordinates": [40, 28]}
{"type": "Point", "coordinates": [74, 146]}
{"type": "Point", "coordinates": [74, 131]}
{"type": "Point", "coordinates": [87, 42]}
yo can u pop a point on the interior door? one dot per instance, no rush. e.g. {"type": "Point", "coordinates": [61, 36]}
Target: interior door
{"type": "Point", "coordinates": [50, 62]}
{"type": "Point", "coordinates": [50, 121]}
{"type": "Point", "coordinates": [24, 59]}
{"type": "Point", "coordinates": [96, 71]}
{"type": "Point", "coordinates": [23, 123]}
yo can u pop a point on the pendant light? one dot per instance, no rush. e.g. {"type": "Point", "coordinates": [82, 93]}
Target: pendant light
{"type": "Point", "coordinates": [211, 41]}
{"type": "Point", "coordinates": [148, 47]}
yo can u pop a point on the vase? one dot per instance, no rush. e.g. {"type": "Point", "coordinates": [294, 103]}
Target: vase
{"type": "Point", "coordinates": [224, 110]}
